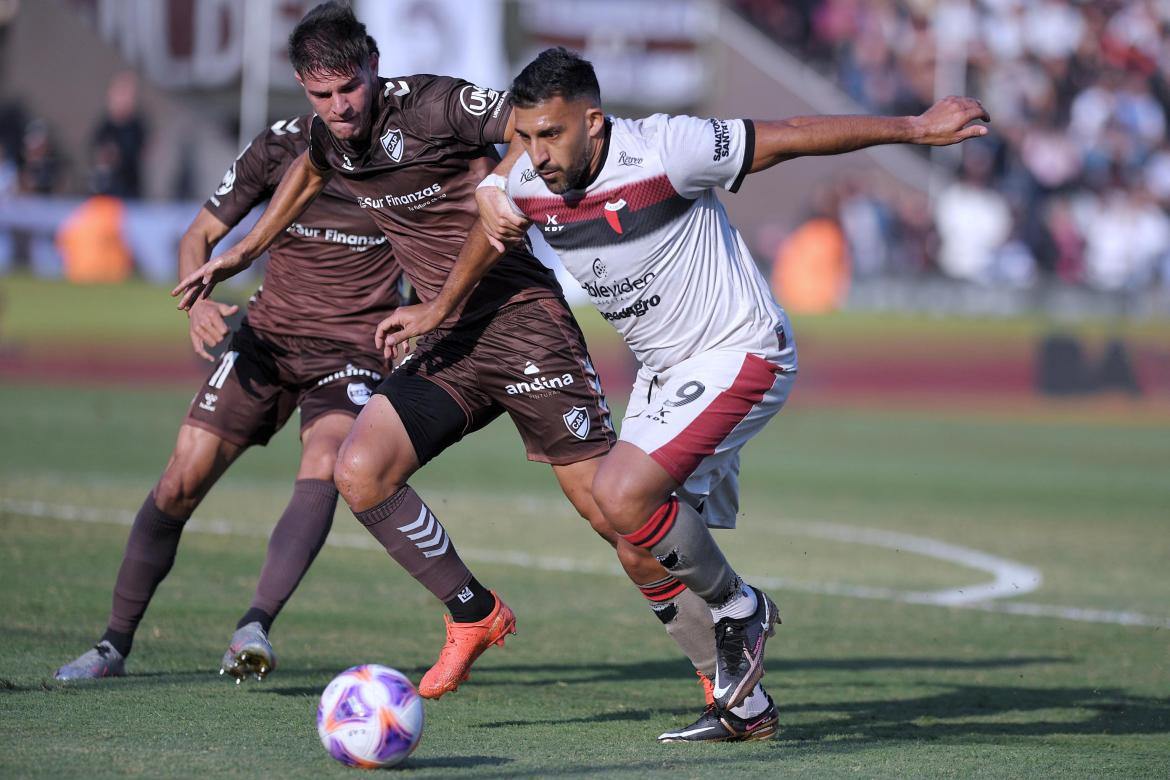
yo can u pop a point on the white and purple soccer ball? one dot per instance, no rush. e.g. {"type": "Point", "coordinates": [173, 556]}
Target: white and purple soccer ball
{"type": "Point", "coordinates": [370, 716]}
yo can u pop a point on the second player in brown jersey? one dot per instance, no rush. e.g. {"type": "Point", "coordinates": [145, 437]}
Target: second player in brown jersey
{"type": "Point", "coordinates": [411, 150]}
{"type": "Point", "coordinates": [304, 343]}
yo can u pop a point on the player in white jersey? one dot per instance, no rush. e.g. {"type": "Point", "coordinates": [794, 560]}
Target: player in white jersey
{"type": "Point", "coordinates": [630, 207]}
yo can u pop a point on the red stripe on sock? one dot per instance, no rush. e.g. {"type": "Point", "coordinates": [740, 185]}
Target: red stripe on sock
{"type": "Point", "coordinates": [656, 527]}
{"type": "Point", "coordinates": [664, 591]}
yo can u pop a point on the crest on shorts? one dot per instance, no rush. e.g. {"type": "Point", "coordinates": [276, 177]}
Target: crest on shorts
{"type": "Point", "coordinates": [577, 421]}
{"type": "Point", "coordinates": [359, 393]}
{"type": "Point", "coordinates": [392, 143]}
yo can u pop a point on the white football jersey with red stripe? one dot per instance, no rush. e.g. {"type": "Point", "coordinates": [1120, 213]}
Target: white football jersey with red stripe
{"type": "Point", "coordinates": [651, 244]}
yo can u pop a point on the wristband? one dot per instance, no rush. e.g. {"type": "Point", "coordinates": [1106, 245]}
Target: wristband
{"type": "Point", "coordinates": [494, 180]}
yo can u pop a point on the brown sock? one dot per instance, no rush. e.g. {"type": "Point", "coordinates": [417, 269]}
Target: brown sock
{"type": "Point", "coordinates": [295, 542]}
{"type": "Point", "coordinates": [415, 538]}
{"type": "Point", "coordinates": [150, 553]}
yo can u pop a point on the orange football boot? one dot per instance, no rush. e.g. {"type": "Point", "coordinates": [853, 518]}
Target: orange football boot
{"type": "Point", "coordinates": [708, 688]}
{"type": "Point", "coordinates": [465, 643]}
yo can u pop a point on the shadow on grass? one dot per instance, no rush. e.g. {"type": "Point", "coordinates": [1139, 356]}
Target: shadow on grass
{"type": "Point", "coordinates": [452, 762]}
{"type": "Point", "coordinates": [159, 679]}
{"type": "Point", "coordinates": [539, 674]}
{"type": "Point", "coordinates": [985, 710]}
{"type": "Point", "coordinates": [960, 711]}
{"type": "Point", "coordinates": [672, 669]}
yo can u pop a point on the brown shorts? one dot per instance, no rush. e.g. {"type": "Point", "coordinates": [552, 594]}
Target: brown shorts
{"type": "Point", "coordinates": [263, 377]}
{"type": "Point", "coordinates": [530, 361]}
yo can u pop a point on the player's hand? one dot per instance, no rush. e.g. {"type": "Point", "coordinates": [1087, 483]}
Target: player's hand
{"type": "Point", "coordinates": [949, 121]}
{"type": "Point", "coordinates": [205, 320]}
{"type": "Point", "coordinates": [200, 282]}
{"type": "Point", "coordinates": [500, 221]}
{"type": "Point", "coordinates": [403, 324]}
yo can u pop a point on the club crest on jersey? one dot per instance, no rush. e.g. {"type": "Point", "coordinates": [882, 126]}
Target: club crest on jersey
{"type": "Point", "coordinates": [359, 393]}
{"type": "Point", "coordinates": [611, 214]}
{"type": "Point", "coordinates": [393, 144]}
{"type": "Point", "coordinates": [577, 421]}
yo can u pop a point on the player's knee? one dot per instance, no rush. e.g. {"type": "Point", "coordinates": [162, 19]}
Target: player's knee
{"type": "Point", "coordinates": [359, 477]}
{"type": "Point", "coordinates": [180, 488]}
{"type": "Point", "coordinates": [622, 500]}
{"type": "Point", "coordinates": [319, 464]}
{"type": "Point", "coordinates": [601, 526]}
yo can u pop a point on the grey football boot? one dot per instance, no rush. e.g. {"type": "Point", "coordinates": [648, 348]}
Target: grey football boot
{"type": "Point", "coordinates": [250, 653]}
{"type": "Point", "coordinates": [739, 651]}
{"type": "Point", "coordinates": [716, 725]}
{"type": "Point", "coordinates": [101, 660]}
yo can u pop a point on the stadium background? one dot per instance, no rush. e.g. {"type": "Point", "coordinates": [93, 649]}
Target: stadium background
{"type": "Point", "coordinates": [985, 371]}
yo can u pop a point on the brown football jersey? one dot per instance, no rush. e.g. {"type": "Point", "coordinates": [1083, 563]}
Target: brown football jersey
{"type": "Point", "coordinates": [430, 145]}
{"type": "Point", "coordinates": [332, 273]}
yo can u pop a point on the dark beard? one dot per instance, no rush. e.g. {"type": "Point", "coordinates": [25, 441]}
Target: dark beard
{"type": "Point", "coordinates": [574, 179]}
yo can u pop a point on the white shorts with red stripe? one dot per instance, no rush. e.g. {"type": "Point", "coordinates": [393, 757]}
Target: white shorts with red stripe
{"type": "Point", "coordinates": [694, 418]}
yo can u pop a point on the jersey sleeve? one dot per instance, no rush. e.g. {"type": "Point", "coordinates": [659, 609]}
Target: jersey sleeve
{"type": "Point", "coordinates": [459, 110]}
{"type": "Point", "coordinates": [319, 139]}
{"type": "Point", "coordinates": [246, 183]}
{"type": "Point", "coordinates": [699, 154]}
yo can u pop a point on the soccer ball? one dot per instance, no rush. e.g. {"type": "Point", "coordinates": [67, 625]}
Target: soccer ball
{"type": "Point", "coordinates": [370, 716]}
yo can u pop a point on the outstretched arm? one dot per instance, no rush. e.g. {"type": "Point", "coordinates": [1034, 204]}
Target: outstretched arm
{"type": "Point", "coordinates": [946, 122]}
{"type": "Point", "coordinates": [205, 316]}
{"type": "Point", "coordinates": [406, 322]}
{"type": "Point", "coordinates": [298, 187]}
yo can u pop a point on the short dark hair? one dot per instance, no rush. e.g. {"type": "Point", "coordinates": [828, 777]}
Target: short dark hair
{"type": "Point", "coordinates": [329, 40]}
{"type": "Point", "coordinates": [555, 72]}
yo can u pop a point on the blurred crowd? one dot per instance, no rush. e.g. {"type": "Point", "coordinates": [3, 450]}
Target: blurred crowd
{"type": "Point", "coordinates": [86, 240]}
{"type": "Point", "coordinates": [31, 161]}
{"type": "Point", "coordinates": [1074, 182]}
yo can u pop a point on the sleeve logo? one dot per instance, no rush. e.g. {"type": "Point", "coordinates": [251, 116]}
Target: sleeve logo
{"type": "Point", "coordinates": [722, 140]}
{"type": "Point", "coordinates": [477, 101]}
{"type": "Point", "coordinates": [227, 182]}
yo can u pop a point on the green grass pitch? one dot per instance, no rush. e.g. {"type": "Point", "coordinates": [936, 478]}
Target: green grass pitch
{"type": "Point", "coordinates": [848, 510]}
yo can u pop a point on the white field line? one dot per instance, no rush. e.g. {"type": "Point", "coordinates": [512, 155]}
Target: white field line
{"type": "Point", "coordinates": [1010, 577]}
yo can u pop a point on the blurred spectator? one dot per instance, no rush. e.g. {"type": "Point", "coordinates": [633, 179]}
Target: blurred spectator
{"type": "Point", "coordinates": [40, 165]}
{"type": "Point", "coordinates": [1078, 185]}
{"type": "Point", "coordinates": [118, 141]}
{"type": "Point", "coordinates": [91, 242]}
{"type": "Point", "coordinates": [1127, 237]}
{"type": "Point", "coordinates": [973, 220]}
{"type": "Point", "coordinates": [811, 272]}
{"type": "Point", "coordinates": [9, 175]}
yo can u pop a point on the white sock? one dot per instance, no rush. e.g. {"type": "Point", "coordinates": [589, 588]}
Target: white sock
{"type": "Point", "coordinates": [753, 705]}
{"type": "Point", "coordinates": [739, 606]}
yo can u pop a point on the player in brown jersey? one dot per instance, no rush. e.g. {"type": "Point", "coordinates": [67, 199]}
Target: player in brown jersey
{"type": "Point", "coordinates": [305, 342]}
{"type": "Point", "coordinates": [412, 151]}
